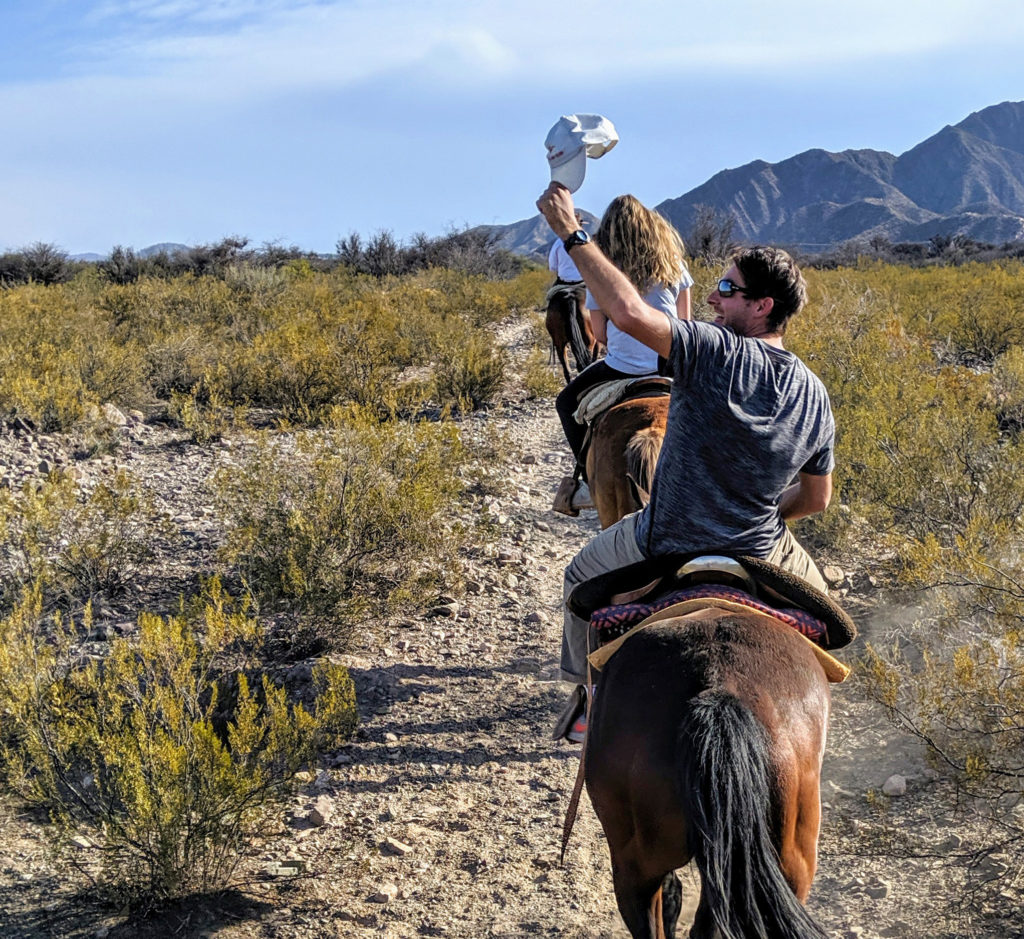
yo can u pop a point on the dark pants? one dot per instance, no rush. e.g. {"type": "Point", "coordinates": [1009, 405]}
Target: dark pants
{"type": "Point", "coordinates": [568, 400]}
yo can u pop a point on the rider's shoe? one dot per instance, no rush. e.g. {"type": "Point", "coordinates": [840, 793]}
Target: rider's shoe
{"type": "Point", "coordinates": [581, 498]}
{"type": "Point", "coordinates": [578, 730]}
{"type": "Point", "coordinates": [575, 712]}
{"type": "Point", "coordinates": [564, 497]}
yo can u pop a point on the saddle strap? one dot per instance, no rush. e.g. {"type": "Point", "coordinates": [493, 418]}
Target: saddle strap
{"type": "Point", "coordinates": [577, 788]}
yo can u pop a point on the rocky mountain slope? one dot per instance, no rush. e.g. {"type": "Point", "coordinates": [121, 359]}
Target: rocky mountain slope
{"type": "Point", "coordinates": [532, 237]}
{"type": "Point", "coordinates": [967, 179]}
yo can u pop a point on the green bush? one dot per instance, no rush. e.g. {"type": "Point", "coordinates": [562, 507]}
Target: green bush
{"type": "Point", "coordinates": [538, 377]}
{"type": "Point", "coordinates": [291, 338]}
{"type": "Point", "coordinates": [344, 527]}
{"type": "Point", "coordinates": [77, 546]}
{"type": "Point", "coordinates": [203, 413]}
{"type": "Point", "coordinates": [143, 756]}
{"type": "Point", "coordinates": [469, 372]}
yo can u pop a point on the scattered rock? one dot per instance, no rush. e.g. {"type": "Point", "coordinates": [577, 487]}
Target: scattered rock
{"type": "Point", "coordinates": [396, 847]}
{"type": "Point", "coordinates": [290, 867]}
{"type": "Point", "coordinates": [834, 575]}
{"type": "Point", "coordinates": [113, 415]}
{"type": "Point", "coordinates": [895, 785]}
{"type": "Point", "coordinates": [385, 893]}
{"type": "Point", "coordinates": [878, 890]}
{"type": "Point", "coordinates": [322, 811]}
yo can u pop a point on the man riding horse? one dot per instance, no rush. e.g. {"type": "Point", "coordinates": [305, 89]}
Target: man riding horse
{"type": "Point", "coordinates": [750, 434]}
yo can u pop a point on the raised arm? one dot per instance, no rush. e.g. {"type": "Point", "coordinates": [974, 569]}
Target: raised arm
{"type": "Point", "coordinates": [683, 305]}
{"type": "Point", "coordinates": [615, 295]}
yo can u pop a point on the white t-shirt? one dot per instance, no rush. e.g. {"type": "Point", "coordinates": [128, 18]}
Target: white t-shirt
{"type": "Point", "coordinates": [629, 355]}
{"type": "Point", "coordinates": [560, 262]}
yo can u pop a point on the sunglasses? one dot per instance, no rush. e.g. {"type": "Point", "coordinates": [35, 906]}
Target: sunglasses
{"type": "Point", "coordinates": [727, 288]}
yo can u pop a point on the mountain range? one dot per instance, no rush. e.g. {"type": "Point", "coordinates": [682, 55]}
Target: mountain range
{"type": "Point", "coordinates": [165, 247]}
{"type": "Point", "coordinates": [967, 179]}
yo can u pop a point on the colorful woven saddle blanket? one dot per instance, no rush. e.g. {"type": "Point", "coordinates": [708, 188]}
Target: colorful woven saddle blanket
{"type": "Point", "coordinates": [614, 621]}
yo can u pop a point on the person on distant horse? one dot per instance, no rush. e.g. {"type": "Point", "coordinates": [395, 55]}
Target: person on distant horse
{"type": "Point", "coordinates": [649, 252]}
{"type": "Point", "coordinates": [750, 435]}
{"type": "Point", "coordinates": [565, 307]}
{"type": "Point", "coordinates": [560, 264]}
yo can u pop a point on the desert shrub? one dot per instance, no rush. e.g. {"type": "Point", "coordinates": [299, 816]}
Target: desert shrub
{"type": "Point", "coordinates": [924, 371]}
{"type": "Point", "coordinates": [961, 692]}
{"type": "Point", "coordinates": [473, 299]}
{"type": "Point", "coordinates": [76, 545]}
{"type": "Point", "coordinates": [289, 338]}
{"type": "Point", "coordinates": [59, 353]}
{"type": "Point", "coordinates": [539, 379]}
{"type": "Point", "coordinates": [123, 266]}
{"type": "Point", "coordinates": [469, 252]}
{"type": "Point", "coordinates": [969, 309]}
{"type": "Point", "coordinates": [166, 756]}
{"type": "Point", "coordinates": [204, 414]}
{"type": "Point", "coordinates": [1008, 389]}
{"type": "Point", "coordinates": [345, 526]}
{"type": "Point", "coordinates": [710, 238]}
{"type": "Point", "coordinates": [918, 449]}
{"type": "Point", "coordinates": [43, 263]}
{"type": "Point", "coordinates": [469, 371]}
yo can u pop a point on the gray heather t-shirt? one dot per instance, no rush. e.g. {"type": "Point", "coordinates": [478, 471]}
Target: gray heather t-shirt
{"type": "Point", "coordinates": [745, 418]}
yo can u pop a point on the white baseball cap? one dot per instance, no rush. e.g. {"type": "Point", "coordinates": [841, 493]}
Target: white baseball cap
{"type": "Point", "coordinates": [573, 139]}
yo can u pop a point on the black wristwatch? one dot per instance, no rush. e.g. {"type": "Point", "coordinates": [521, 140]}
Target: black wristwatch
{"type": "Point", "coordinates": [578, 237]}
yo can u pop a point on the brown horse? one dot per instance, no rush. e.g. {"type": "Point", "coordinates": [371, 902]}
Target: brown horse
{"type": "Point", "coordinates": [625, 442]}
{"type": "Point", "coordinates": [706, 738]}
{"type": "Point", "coordinates": [568, 324]}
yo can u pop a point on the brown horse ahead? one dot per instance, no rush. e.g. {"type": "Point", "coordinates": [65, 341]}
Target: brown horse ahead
{"type": "Point", "coordinates": [568, 324]}
{"type": "Point", "coordinates": [625, 442]}
{"type": "Point", "coordinates": [706, 739]}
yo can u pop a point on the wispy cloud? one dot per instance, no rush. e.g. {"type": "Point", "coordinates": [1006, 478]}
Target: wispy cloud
{"type": "Point", "coordinates": [232, 45]}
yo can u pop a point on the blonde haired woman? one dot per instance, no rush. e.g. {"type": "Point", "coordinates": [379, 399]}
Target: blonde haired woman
{"type": "Point", "coordinates": [649, 251]}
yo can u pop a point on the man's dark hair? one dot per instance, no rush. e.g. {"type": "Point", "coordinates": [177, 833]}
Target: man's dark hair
{"type": "Point", "coordinates": [771, 272]}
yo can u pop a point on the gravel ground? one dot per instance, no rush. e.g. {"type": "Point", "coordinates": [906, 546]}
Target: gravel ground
{"type": "Point", "coordinates": [443, 816]}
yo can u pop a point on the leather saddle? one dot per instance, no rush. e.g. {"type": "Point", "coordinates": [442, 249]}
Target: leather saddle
{"type": "Point", "coordinates": [593, 402]}
{"type": "Point", "coordinates": [761, 579]}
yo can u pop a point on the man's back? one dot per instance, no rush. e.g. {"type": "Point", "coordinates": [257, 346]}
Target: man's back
{"type": "Point", "coordinates": [746, 418]}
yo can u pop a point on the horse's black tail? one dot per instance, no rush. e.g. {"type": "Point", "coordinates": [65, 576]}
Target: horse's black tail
{"type": "Point", "coordinates": [580, 349]}
{"type": "Point", "coordinates": [725, 789]}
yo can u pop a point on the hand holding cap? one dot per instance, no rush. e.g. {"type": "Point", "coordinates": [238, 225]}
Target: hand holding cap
{"type": "Point", "coordinates": [574, 138]}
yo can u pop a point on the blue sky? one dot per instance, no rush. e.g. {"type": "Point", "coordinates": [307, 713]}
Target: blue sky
{"type": "Point", "coordinates": [298, 121]}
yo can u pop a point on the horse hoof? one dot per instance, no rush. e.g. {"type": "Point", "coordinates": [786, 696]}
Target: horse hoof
{"type": "Point", "coordinates": [564, 497]}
